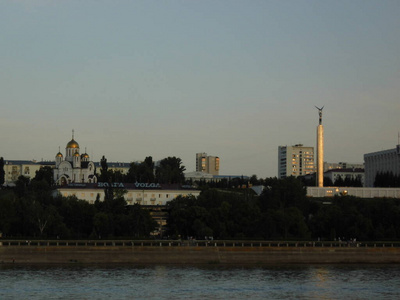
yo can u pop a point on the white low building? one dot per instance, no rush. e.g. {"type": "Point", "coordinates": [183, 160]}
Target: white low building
{"type": "Point", "coordinates": [27, 168]}
{"type": "Point", "coordinates": [361, 192]}
{"type": "Point", "coordinates": [352, 174]}
{"type": "Point", "coordinates": [153, 194]}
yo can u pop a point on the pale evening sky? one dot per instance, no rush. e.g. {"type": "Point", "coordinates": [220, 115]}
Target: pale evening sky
{"type": "Point", "coordinates": [234, 79]}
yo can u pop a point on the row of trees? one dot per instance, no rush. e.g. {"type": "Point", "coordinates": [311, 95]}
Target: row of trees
{"type": "Point", "coordinates": [168, 171]}
{"type": "Point", "coordinates": [283, 211]}
{"type": "Point", "coordinates": [348, 181]}
{"type": "Point", "coordinates": [387, 179]}
{"type": "Point", "coordinates": [32, 209]}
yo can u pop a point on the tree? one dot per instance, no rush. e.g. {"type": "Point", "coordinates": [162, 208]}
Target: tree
{"type": "Point", "coordinates": [170, 171]}
{"type": "Point", "coordinates": [386, 179]}
{"type": "Point", "coordinates": [8, 217]}
{"type": "Point", "coordinates": [339, 181]}
{"type": "Point", "coordinates": [139, 221]}
{"type": "Point", "coordinates": [21, 186]}
{"type": "Point", "coordinates": [46, 174]}
{"type": "Point", "coordinates": [77, 216]}
{"type": "Point", "coordinates": [101, 223]}
{"type": "Point", "coordinates": [105, 175]}
{"type": "Point", "coordinates": [146, 170]}
{"type": "Point", "coordinates": [284, 193]}
{"type": "Point", "coordinates": [142, 172]}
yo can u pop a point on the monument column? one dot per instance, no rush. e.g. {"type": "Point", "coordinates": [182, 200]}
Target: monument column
{"type": "Point", "coordinates": [320, 151]}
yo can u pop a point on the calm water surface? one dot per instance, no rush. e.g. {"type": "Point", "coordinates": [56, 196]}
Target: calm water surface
{"type": "Point", "coordinates": [166, 282]}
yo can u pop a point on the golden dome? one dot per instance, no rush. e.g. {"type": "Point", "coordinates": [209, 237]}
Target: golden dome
{"type": "Point", "coordinates": [85, 155]}
{"type": "Point", "coordinates": [72, 144]}
{"type": "Point", "coordinates": [76, 154]}
{"type": "Point", "coordinates": [59, 154]}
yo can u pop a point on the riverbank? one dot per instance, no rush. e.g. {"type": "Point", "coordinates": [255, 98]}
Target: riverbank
{"type": "Point", "coordinates": [196, 255]}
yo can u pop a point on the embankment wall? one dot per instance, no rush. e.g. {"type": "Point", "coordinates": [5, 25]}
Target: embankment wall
{"type": "Point", "coordinates": [192, 255]}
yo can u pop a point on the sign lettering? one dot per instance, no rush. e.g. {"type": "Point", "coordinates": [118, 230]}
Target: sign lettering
{"type": "Point", "coordinates": [147, 185]}
{"type": "Point", "coordinates": [113, 184]}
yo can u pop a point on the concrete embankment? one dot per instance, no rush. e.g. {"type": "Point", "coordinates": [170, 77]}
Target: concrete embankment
{"type": "Point", "coordinates": [193, 255]}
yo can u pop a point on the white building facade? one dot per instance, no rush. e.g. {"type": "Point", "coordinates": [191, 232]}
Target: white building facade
{"type": "Point", "coordinates": [381, 161]}
{"type": "Point", "coordinates": [296, 160]}
{"type": "Point", "coordinates": [27, 168]}
{"type": "Point", "coordinates": [147, 194]}
{"type": "Point", "coordinates": [352, 174]}
{"type": "Point", "coordinates": [362, 192]}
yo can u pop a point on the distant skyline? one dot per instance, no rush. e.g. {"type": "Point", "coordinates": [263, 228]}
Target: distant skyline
{"type": "Point", "coordinates": [234, 79]}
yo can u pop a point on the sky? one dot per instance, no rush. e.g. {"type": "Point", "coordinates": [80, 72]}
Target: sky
{"type": "Point", "coordinates": [235, 79]}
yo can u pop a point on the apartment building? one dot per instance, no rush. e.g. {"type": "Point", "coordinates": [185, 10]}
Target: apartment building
{"type": "Point", "coordinates": [207, 164]}
{"type": "Point", "coordinates": [297, 160]}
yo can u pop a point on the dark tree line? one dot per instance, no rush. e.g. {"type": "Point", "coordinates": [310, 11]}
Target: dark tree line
{"type": "Point", "coordinates": [32, 210]}
{"type": "Point", "coordinates": [169, 171]}
{"type": "Point", "coordinates": [387, 179]}
{"type": "Point", "coordinates": [283, 211]}
{"type": "Point", "coordinates": [348, 181]}
{"type": "Point", "coordinates": [224, 183]}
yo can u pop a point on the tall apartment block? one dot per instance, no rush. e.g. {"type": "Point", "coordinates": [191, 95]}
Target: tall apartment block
{"type": "Point", "coordinates": [207, 164]}
{"type": "Point", "coordinates": [295, 161]}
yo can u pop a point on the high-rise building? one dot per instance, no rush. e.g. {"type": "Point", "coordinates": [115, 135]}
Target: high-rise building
{"type": "Point", "coordinates": [296, 160]}
{"type": "Point", "coordinates": [381, 161]}
{"type": "Point", "coordinates": [207, 164]}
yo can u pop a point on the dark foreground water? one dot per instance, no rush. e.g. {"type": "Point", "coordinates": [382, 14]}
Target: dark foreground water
{"type": "Point", "coordinates": [167, 282]}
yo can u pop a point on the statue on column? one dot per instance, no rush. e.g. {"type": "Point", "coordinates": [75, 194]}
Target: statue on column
{"type": "Point", "coordinates": [320, 114]}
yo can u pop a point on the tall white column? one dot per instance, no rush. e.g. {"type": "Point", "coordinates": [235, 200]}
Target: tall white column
{"type": "Point", "coordinates": [320, 156]}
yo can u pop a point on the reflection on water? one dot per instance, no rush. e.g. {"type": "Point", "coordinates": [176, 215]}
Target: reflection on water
{"type": "Point", "coordinates": [167, 282]}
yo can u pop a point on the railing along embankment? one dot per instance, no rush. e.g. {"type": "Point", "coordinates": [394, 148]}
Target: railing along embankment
{"type": "Point", "coordinates": [196, 243]}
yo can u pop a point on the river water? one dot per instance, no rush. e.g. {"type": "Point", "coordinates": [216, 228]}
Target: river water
{"type": "Point", "coordinates": [212, 282]}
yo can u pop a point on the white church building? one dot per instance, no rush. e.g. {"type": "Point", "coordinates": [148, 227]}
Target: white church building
{"type": "Point", "coordinates": [75, 167]}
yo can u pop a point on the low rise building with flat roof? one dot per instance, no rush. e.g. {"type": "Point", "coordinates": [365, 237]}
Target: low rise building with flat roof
{"type": "Point", "coordinates": [147, 194]}
{"type": "Point", "coordinates": [361, 192]}
{"type": "Point", "coordinates": [27, 168]}
{"type": "Point", "coordinates": [352, 174]}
